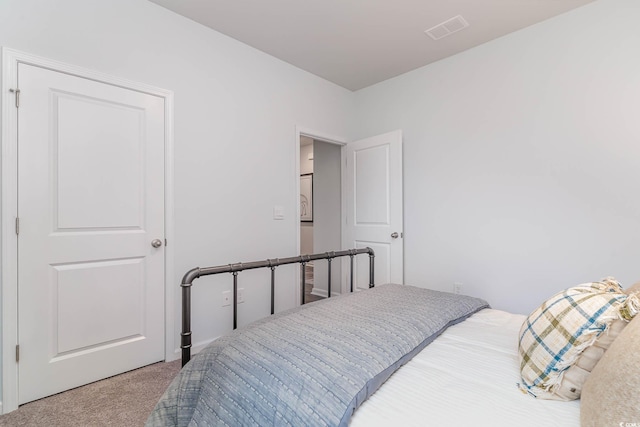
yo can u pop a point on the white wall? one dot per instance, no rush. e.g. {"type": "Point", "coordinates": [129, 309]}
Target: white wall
{"type": "Point", "coordinates": [306, 150]}
{"type": "Point", "coordinates": [521, 157]}
{"type": "Point", "coordinates": [236, 111]}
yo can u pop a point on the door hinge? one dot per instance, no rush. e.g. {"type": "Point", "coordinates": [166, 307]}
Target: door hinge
{"type": "Point", "coordinates": [17, 353]}
{"type": "Point", "coordinates": [17, 92]}
{"type": "Point", "coordinates": [17, 226]}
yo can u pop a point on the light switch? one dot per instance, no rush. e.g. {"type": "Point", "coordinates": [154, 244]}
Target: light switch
{"type": "Point", "coordinates": [278, 212]}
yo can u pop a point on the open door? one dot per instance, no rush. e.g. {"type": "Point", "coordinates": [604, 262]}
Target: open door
{"type": "Point", "coordinates": [373, 202]}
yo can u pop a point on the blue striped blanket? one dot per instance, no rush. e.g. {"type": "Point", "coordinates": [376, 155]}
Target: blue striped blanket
{"type": "Point", "coordinates": [312, 365]}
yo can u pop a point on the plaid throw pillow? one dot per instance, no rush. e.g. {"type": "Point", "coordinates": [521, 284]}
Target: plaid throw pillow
{"type": "Point", "coordinates": [555, 335]}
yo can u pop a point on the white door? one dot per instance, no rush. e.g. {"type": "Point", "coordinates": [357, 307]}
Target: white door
{"type": "Point", "coordinates": [90, 202]}
{"type": "Point", "coordinates": [374, 206]}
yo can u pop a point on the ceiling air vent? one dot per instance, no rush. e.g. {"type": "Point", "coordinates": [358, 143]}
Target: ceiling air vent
{"type": "Point", "coordinates": [447, 28]}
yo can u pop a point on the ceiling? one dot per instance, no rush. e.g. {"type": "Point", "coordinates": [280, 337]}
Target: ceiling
{"type": "Point", "coordinates": [357, 43]}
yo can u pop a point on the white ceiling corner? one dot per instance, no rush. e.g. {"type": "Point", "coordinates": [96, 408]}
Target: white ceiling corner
{"type": "Point", "coordinates": [357, 43]}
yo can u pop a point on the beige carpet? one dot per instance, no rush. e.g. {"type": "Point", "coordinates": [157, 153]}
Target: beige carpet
{"type": "Point", "coordinates": [123, 400]}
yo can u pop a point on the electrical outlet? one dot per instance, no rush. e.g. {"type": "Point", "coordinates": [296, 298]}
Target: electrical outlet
{"type": "Point", "coordinates": [457, 287]}
{"type": "Point", "coordinates": [240, 295]}
{"type": "Point", "coordinates": [226, 298]}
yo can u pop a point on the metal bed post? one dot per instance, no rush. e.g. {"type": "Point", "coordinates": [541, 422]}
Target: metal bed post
{"type": "Point", "coordinates": [372, 257]}
{"type": "Point", "coordinates": [303, 281]}
{"type": "Point", "coordinates": [329, 278]}
{"type": "Point", "coordinates": [185, 335]}
{"type": "Point", "coordinates": [235, 300]}
{"type": "Point", "coordinates": [351, 255]}
{"type": "Point", "coordinates": [273, 285]}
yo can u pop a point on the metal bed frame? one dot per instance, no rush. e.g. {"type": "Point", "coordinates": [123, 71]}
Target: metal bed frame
{"type": "Point", "coordinates": [191, 275]}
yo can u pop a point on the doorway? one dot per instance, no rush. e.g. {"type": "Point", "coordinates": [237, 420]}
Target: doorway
{"type": "Point", "coordinates": [320, 211]}
{"type": "Point", "coordinates": [369, 212]}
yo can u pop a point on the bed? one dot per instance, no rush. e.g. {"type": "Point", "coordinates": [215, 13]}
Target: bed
{"type": "Point", "coordinates": [394, 354]}
{"type": "Point", "coordinates": [466, 377]}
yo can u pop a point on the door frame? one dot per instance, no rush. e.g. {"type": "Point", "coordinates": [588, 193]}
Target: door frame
{"type": "Point", "coordinates": [331, 139]}
{"type": "Point", "coordinates": [9, 199]}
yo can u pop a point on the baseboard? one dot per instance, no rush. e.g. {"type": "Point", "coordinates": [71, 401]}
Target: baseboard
{"type": "Point", "coordinates": [195, 348]}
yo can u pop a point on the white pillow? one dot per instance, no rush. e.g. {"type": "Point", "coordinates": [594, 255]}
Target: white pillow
{"type": "Point", "coordinates": [554, 339]}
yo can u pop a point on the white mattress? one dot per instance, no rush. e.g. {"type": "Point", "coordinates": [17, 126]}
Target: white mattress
{"type": "Point", "coordinates": [467, 377]}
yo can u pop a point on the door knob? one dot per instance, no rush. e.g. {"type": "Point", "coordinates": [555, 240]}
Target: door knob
{"type": "Point", "coordinates": [394, 235]}
{"type": "Point", "coordinates": [156, 243]}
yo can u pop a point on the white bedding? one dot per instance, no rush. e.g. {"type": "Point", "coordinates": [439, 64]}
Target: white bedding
{"type": "Point", "coordinates": [467, 377]}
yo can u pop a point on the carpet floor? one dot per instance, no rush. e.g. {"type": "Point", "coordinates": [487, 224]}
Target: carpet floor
{"type": "Point", "coordinates": [123, 400]}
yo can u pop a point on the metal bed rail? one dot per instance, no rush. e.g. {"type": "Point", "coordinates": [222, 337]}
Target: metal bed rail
{"type": "Point", "coordinates": [193, 274]}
